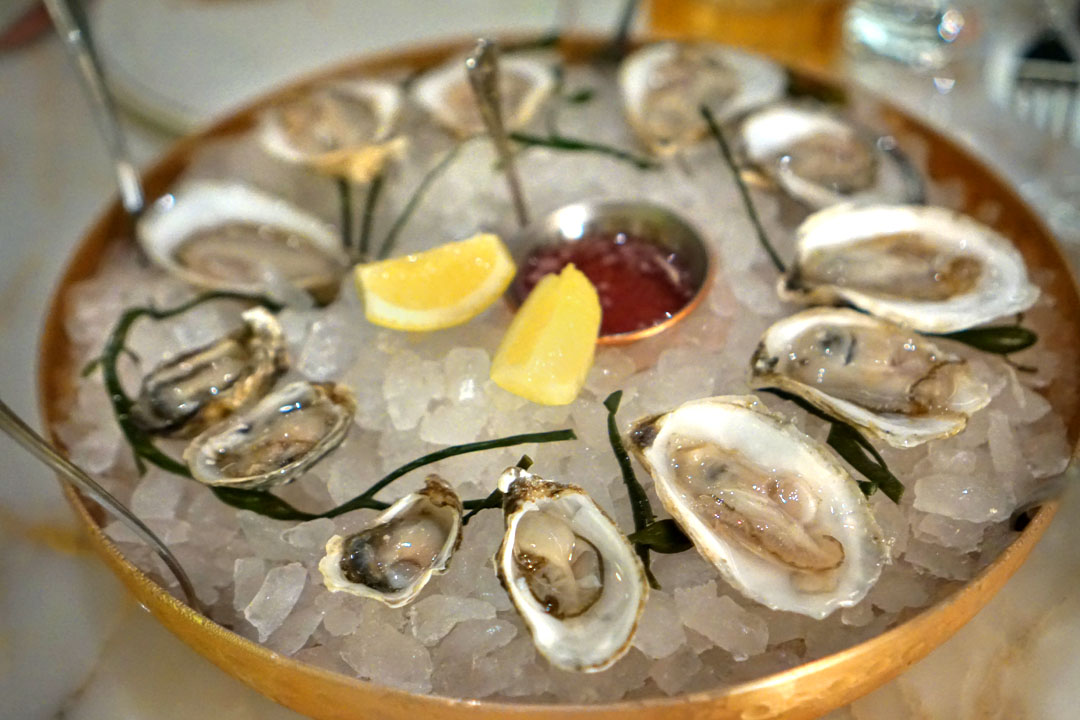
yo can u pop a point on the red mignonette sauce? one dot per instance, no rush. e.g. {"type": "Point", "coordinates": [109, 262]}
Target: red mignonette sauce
{"type": "Point", "coordinates": [640, 283]}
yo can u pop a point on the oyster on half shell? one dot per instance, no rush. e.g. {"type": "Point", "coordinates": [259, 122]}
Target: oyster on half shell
{"type": "Point", "coordinates": [929, 268]}
{"type": "Point", "coordinates": [274, 441]}
{"type": "Point", "coordinates": [187, 394]}
{"type": "Point", "coordinates": [343, 128]}
{"type": "Point", "coordinates": [445, 93]}
{"type": "Point", "coordinates": [768, 506]}
{"type": "Point", "coordinates": [879, 376]}
{"type": "Point", "coordinates": [394, 558]}
{"type": "Point", "coordinates": [665, 84]}
{"type": "Point", "coordinates": [572, 575]}
{"type": "Point", "coordinates": [229, 236]}
{"type": "Point", "coordinates": [821, 158]}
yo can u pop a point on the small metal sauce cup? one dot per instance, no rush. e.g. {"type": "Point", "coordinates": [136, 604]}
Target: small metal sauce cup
{"type": "Point", "coordinates": [646, 221]}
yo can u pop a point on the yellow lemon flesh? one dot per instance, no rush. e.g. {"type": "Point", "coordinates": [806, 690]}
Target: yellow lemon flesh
{"type": "Point", "coordinates": [437, 288]}
{"type": "Point", "coordinates": [549, 347]}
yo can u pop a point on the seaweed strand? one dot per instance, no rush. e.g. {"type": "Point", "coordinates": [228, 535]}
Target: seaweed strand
{"type": "Point", "coordinates": [368, 217]}
{"type": "Point", "coordinates": [851, 445]}
{"type": "Point", "coordinates": [141, 443]}
{"type": "Point", "coordinates": [639, 501]}
{"type": "Point", "coordinates": [748, 202]}
{"type": "Point", "coordinates": [345, 199]}
{"type": "Point", "coordinates": [561, 142]}
{"type": "Point", "coordinates": [418, 195]}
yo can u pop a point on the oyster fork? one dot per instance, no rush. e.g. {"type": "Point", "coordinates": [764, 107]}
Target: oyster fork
{"type": "Point", "coordinates": [74, 29]}
{"type": "Point", "coordinates": [40, 448]}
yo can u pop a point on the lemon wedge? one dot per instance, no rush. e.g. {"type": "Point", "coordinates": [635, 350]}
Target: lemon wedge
{"type": "Point", "coordinates": [549, 346]}
{"type": "Point", "coordinates": [438, 288]}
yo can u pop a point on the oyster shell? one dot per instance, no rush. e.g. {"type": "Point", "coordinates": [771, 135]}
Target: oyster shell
{"type": "Point", "coordinates": [768, 506]}
{"type": "Point", "coordinates": [573, 577]}
{"type": "Point", "coordinates": [274, 441]}
{"type": "Point", "coordinates": [189, 393]}
{"type": "Point", "coordinates": [929, 268]}
{"type": "Point", "coordinates": [821, 158]}
{"type": "Point", "coordinates": [446, 95]}
{"type": "Point", "coordinates": [394, 558]}
{"type": "Point", "coordinates": [665, 84]}
{"type": "Point", "coordinates": [879, 376]}
{"type": "Point", "coordinates": [229, 236]}
{"type": "Point", "coordinates": [342, 128]}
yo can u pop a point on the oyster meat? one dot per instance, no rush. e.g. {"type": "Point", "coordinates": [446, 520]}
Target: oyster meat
{"type": "Point", "coordinates": [395, 557]}
{"type": "Point", "coordinates": [929, 268]}
{"type": "Point", "coordinates": [228, 236]}
{"type": "Point", "coordinates": [189, 393]}
{"type": "Point", "coordinates": [342, 128]}
{"type": "Point", "coordinates": [768, 506]}
{"type": "Point", "coordinates": [446, 95]}
{"type": "Point", "coordinates": [665, 84]}
{"type": "Point", "coordinates": [879, 376]}
{"type": "Point", "coordinates": [274, 441]}
{"type": "Point", "coordinates": [821, 158]}
{"type": "Point", "coordinates": [572, 575]}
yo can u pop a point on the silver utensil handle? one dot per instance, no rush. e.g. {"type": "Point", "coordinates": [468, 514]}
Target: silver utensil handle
{"type": "Point", "coordinates": [483, 71]}
{"type": "Point", "coordinates": [71, 24]}
{"type": "Point", "coordinates": [40, 448]}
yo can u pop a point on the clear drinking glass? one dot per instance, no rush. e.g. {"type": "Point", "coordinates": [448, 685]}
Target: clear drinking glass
{"type": "Point", "coordinates": [924, 34]}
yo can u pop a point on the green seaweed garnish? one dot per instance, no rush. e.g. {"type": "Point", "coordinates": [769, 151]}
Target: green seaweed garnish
{"type": "Point", "coordinates": [639, 501]}
{"type": "Point", "coordinates": [1000, 340]}
{"type": "Point", "coordinates": [556, 141]}
{"type": "Point", "coordinates": [851, 445]}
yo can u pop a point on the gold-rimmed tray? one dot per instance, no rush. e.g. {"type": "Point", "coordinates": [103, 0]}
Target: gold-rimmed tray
{"type": "Point", "coordinates": [805, 691]}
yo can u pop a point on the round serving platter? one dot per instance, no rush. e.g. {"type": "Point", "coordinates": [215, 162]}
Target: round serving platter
{"type": "Point", "coordinates": [806, 691]}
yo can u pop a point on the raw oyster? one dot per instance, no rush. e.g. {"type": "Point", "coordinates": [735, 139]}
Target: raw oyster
{"type": "Point", "coordinates": [229, 236]}
{"type": "Point", "coordinates": [822, 159]}
{"type": "Point", "coordinates": [394, 558]}
{"type": "Point", "coordinates": [185, 395]}
{"type": "Point", "coordinates": [445, 93]}
{"type": "Point", "coordinates": [879, 376]}
{"type": "Point", "coordinates": [665, 84]}
{"type": "Point", "coordinates": [274, 441]}
{"type": "Point", "coordinates": [929, 268]}
{"type": "Point", "coordinates": [573, 577]}
{"type": "Point", "coordinates": [342, 128]}
{"type": "Point", "coordinates": [780, 519]}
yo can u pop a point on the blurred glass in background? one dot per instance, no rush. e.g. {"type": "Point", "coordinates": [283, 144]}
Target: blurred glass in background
{"type": "Point", "coordinates": [924, 34]}
{"type": "Point", "coordinates": [804, 33]}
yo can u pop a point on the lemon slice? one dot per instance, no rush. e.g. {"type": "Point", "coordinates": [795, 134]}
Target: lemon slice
{"type": "Point", "coordinates": [548, 348]}
{"type": "Point", "coordinates": [437, 288]}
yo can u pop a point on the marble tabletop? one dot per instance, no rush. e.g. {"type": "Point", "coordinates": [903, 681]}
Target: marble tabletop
{"type": "Point", "coordinates": [73, 645]}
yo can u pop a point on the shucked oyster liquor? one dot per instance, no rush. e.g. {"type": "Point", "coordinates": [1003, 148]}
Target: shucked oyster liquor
{"type": "Point", "coordinates": [665, 84]}
{"type": "Point", "coordinates": [185, 395]}
{"type": "Point", "coordinates": [879, 376]}
{"type": "Point", "coordinates": [573, 577]}
{"type": "Point", "coordinates": [395, 557]}
{"type": "Point", "coordinates": [929, 268]}
{"type": "Point", "coordinates": [768, 506]}
{"type": "Point", "coordinates": [276, 440]}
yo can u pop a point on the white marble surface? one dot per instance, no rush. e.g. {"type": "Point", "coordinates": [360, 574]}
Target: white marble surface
{"type": "Point", "coordinates": [73, 645]}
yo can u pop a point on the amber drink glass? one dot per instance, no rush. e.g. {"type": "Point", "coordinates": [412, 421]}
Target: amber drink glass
{"type": "Point", "coordinates": [803, 33]}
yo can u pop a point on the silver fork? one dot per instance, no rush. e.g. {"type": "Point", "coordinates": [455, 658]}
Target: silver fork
{"type": "Point", "coordinates": [40, 448]}
{"type": "Point", "coordinates": [74, 29]}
